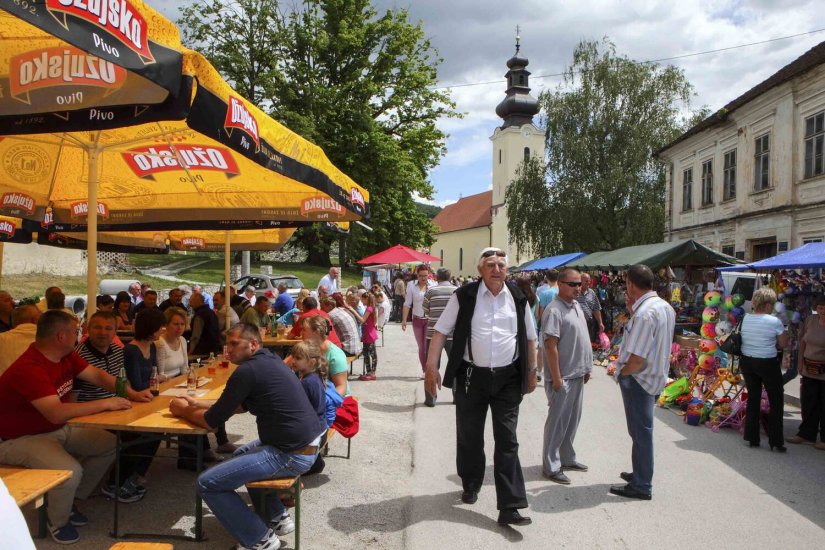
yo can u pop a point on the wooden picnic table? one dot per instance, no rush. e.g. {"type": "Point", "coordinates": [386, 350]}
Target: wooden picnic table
{"type": "Point", "coordinates": [28, 485]}
{"type": "Point", "coordinates": [154, 418]}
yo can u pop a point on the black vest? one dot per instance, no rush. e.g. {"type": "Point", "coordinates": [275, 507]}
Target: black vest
{"type": "Point", "coordinates": [466, 296]}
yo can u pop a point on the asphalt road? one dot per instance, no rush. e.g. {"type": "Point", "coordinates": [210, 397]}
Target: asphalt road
{"type": "Point", "coordinates": [399, 489]}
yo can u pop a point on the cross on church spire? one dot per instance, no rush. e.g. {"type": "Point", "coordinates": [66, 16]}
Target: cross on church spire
{"type": "Point", "coordinates": [518, 39]}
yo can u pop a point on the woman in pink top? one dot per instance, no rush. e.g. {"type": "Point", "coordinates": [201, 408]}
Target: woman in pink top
{"type": "Point", "coordinates": [369, 334]}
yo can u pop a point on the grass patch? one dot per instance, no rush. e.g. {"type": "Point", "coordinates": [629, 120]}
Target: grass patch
{"type": "Point", "coordinates": [35, 284]}
{"type": "Point", "coordinates": [212, 272]}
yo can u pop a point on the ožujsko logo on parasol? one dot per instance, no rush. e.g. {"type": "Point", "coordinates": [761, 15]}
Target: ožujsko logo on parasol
{"type": "Point", "coordinates": [238, 116]}
{"type": "Point", "coordinates": [7, 228]}
{"type": "Point", "coordinates": [18, 201]}
{"type": "Point", "coordinates": [192, 242]}
{"type": "Point", "coordinates": [357, 197]}
{"type": "Point", "coordinates": [53, 67]}
{"type": "Point", "coordinates": [117, 17]}
{"type": "Point", "coordinates": [319, 204]}
{"type": "Point", "coordinates": [81, 209]}
{"type": "Point", "coordinates": [146, 161]}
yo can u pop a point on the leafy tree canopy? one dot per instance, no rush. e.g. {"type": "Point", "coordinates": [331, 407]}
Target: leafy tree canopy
{"type": "Point", "coordinates": [600, 188]}
{"type": "Point", "coordinates": [357, 83]}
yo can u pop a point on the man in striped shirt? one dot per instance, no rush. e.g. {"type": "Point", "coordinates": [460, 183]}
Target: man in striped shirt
{"type": "Point", "coordinates": [100, 351]}
{"type": "Point", "coordinates": [641, 371]}
{"type": "Point", "coordinates": [435, 300]}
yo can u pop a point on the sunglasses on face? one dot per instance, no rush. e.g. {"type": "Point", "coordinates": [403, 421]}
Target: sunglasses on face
{"type": "Point", "coordinates": [499, 253]}
{"type": "Point", "coordinates": [574, 285]}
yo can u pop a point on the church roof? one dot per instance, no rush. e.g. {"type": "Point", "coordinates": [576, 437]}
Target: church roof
{"type": "Point", "coordinates": [467, 213]}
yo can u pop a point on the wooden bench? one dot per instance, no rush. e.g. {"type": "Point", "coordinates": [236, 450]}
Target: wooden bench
{"type": "Point", "coordinates": [289, 485]}
{"type": "Point", "coordinates": [141, 546]}
{"type": "Point", "coordinates": [28, 485]}
{"type": "Point", "coordinates": [331, 432]}
{"type": "Point", "coordinates": [351, 362]}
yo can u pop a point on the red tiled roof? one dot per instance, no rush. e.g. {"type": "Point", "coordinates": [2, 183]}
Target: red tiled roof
{"type": "Point", "coordinates": [467, 213]}
{"type": "Point", "coordinates": [801, 65]}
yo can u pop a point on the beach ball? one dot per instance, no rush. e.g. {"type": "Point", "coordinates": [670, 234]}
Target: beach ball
{"type": "Point", "coordinates": [738, 300]}
{"type": "Point", "coordinates": [707, 346]}
{"type": "Point", "coordinates": [713, 299]}
{"type": "Point", "coordinates": [728, 303]}
{"type": "Point", "coordinates": [737, 312]}
{"type": "Point", "coordinates": [723, 328]}
{"type": "Point", "coordinates": [707, 361]}
{"type": "Point", "coordinates": [708, 330]}
{"type": "Point", "coordinates": [710, 315]}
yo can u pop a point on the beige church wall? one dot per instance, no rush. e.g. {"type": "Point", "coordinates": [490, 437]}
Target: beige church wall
{"type": "Point", "coordinates": [448, 246]}
{"type": "Point", "coordinates": [19, 259]}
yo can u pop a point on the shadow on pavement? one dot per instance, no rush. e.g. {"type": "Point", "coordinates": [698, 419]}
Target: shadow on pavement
{"type": "Point", "coordinates": [389, 408]}
{"type": "Point", "coordinates": [392, 515]}
{"type": "Point", "coordinates": [788, 477]}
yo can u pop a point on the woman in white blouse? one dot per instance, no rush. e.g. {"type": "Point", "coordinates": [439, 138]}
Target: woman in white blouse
{"type": "Point", "coordinates": [172, 358]}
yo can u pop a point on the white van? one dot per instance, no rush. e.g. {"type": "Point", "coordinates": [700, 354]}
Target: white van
{"type": "Point", "coordinates": [740, 282]}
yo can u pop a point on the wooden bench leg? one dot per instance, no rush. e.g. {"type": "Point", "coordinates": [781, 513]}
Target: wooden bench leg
{"type": "Point", "coordinates": [349, 446]}
{"type": "Point", "coordinates": [298, 514]}
{"type": "Point", "coordinates": [43, 517]}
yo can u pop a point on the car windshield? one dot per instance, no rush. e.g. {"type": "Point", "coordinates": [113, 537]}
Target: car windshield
{"type": "Point", "coordinates": [290, 282]}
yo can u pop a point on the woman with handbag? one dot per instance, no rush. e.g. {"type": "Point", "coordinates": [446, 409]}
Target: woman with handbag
{"type": "Point", "coordinates": [812, 388]}
{"type": "Point", "coordinates": [761, 334]}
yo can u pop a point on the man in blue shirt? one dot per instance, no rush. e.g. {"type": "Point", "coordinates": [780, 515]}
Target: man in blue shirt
{"type": "Point", "coordinates": [284, 302]}
{"type": "Point", "coordinates": [548, 292]}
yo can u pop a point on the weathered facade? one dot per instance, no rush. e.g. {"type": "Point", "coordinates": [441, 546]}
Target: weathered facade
{"type": "Point", "coordinates": [750, 180]}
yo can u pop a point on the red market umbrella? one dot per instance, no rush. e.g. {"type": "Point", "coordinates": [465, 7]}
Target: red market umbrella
{"type": "Point", "coordinates": [398, 254]}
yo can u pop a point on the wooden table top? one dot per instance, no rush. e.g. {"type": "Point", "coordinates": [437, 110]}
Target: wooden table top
{"type": "Point", "coordinates": [28, 484]}
{"type": "Point", "coordinates": [155, 416]}
{"type": "Point", "coordinates": [273, 341]}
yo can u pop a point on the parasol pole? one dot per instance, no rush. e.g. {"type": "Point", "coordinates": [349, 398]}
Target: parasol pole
{"type": "Point", "coordinates": [226, 260]}
{"type": "Point", "coordinates": [1, 264]}
{"type": "Point", "coordinates": [91, 230]}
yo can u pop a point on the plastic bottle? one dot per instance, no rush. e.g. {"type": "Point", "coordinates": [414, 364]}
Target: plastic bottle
{"type": "Point", "coordinates": [154, 382]}
{"type": "Point", "coordinates": [121, 383]}
{"type": "Point", "coordinates": [192, 380]}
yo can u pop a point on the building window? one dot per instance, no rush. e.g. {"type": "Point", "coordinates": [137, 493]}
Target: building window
{"type": "Point", "coordinates": [442, 257]}
{"type": "Point", "coordinates": [814, 144]}
{"type": "Point", "coordinates": [460, 259]}
{"type": "Point", "coordinates": [707, 182]}
{"type": "Point", "coordinates": [763, 250]}
{"type": "Point", "coordinates": [526, 154]}
{"type": "Point", "coordinates": [729, 186]}
{"type": "Point", "coordinates": [740, 255]}
{"type": "Point", "coordinates": [499, 156]}
{"type": "Point", "coordinates": [762, 163]}
{"type": "Point", "coordinates": [687, 190]}
{"type": "Point", "coordinates": [728, 249]}
{"type": "Point", "coordinates": [812, 240]}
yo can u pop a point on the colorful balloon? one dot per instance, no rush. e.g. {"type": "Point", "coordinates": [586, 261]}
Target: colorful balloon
{"type": "Point", "coordinates": [737, 312]}
{"type": "Point", "coordinates": [738, 299]}
{"type": "Point", "coordinates": [710, 315]}
{"type": "Point", "coordinates": [729, 303]}
{"type": "Point", "coordinates": [707, 361]}
{"type": "Point", "coordinates": [708, 330]}
{"type": "Point", "coordinates": [707, 346]}
{"type": "Point", "coordinates": [713, 299]}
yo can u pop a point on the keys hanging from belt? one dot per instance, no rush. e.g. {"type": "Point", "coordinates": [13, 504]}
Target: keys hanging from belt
{"type": "Point", "coordinates": [467, 380]}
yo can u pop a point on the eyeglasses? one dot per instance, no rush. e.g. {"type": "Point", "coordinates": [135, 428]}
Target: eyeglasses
{"type": "Point", "coordinates": [499, 253]}
{"type": "Point", "coordinates": [574, 285]}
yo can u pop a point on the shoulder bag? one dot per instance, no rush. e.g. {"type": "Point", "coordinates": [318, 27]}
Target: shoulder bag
{"type": "Point", "coordinates": [733, 343]}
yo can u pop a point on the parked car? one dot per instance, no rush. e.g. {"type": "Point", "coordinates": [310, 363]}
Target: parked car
{"type": "Point", "coordinates": [263, 283]}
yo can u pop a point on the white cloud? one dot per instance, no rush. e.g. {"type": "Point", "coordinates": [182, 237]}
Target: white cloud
{"type": "Point", "coordinates": [440, 203]}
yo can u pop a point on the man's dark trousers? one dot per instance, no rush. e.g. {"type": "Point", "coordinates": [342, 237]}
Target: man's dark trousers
{"type": "Point", "coordinates": [500, 390]}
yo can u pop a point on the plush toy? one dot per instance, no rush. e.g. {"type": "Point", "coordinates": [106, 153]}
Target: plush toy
{"type": "Point", "coordinates": [707, 346]}
{"type": "Point", "coordinates": [713, 299]}
{"type": "Point", "coordinates": [708, 330]}
{"type": "Point", "coordinates": [723, 328]}
{"type": "Point", "coordinates": [710, 315]}
{"type": "Point", "coordinates": [738, 300]}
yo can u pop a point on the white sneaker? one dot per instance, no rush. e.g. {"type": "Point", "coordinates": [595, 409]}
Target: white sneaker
{"type": "Point", "coordinates": [284, 526]}
{"type": "Point", "coordinates": [269, 542]}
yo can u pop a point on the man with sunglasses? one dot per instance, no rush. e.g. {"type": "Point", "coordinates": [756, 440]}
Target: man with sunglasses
{"type": "Point", "coordinates": [568, 363]}
{"type": "Point", "coordinates": [491, 365]}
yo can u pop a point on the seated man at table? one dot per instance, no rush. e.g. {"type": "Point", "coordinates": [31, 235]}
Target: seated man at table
{"type": "Point", "coordinates": [34, 408]}
{"type": "Point", "coordinates": [289, 431]}
{"type": "Point", "coordinates": [310, 308]}
{"type": "Point", "coordinates": [284, 302]}
{"type": "Point", "coordinates": [17, 340]}
{"type": "Point", "coordinates": [206, 335]}
{"type": "Point", "coordinates": [150, 300]}
{"type": "Point", "coordinates": [258, 314]}
{"type": "Point", "coordinates": [221, 310]}
{"type": "Point", "coordinates": [344, 322]}
{"type": "Point", "coordinates": [175, 299]}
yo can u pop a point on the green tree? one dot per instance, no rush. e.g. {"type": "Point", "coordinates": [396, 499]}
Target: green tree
{"type": "Point", "coordinates": [601, 188]}
{"type": "Point", "coordinates": [357, 83]}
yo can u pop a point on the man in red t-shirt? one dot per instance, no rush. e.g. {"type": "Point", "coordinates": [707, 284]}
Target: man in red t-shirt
{"type": "Point", "coordinates": [310, 308]}
{"type": "Point", "coordinates": [34, 408]}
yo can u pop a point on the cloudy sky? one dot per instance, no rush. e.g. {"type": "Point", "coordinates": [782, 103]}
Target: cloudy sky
{"type": "Point", "coordinates": [476, 37]}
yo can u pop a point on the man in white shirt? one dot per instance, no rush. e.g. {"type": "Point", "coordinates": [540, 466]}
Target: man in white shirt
{"type": "Point", "coordinates": [641, 371]}
{"type": "Point", "coordinates": [493, 364]}
{"type": "Point", "coordinates": [330, 281]}
{"type": "Point", "coordinates": [17, 340]}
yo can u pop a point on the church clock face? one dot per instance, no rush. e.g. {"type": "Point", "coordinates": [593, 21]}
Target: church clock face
{"type": "Point", "coordinates": [525, 132]}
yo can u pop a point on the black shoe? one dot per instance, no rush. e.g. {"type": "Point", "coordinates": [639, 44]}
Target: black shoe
{"type": "Point", "coordinates": [558, 477]}
{"type": "Point", "coordinates": [317, 466]}
{"type": "Point", "coordinates": [751, 444]}
{"type": "Point", "coordinates": [627, 476]}
{"type": "Point", "coordinates": [779, 448]}
{"type": "Point", "coordinates": [510, 516]}
{"type": "Point", "coordinates": [629, 492]}
{"type": "Point", "coordinates": [469, 496]}
{"type": "Point", "coordinates": [575, 467]}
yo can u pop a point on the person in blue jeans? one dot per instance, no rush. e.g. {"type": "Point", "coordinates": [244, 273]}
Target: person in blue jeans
{"type": "Point", "coordinates": [641, 371]}
{"type": "Point", "coordinates": [289, 433]}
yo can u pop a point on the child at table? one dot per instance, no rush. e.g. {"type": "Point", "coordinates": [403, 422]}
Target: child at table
{"type": "Point", "coordinates": [308, 363]}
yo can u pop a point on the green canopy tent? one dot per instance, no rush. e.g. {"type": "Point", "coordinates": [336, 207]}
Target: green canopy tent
{"type": "Point", "coordinates": [656, 256]}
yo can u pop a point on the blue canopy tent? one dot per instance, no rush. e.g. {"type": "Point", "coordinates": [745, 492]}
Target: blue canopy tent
{"type": "Point", "coordinates": [807, 256]}
{"type": "Point", "coordinates": [549, 262]}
